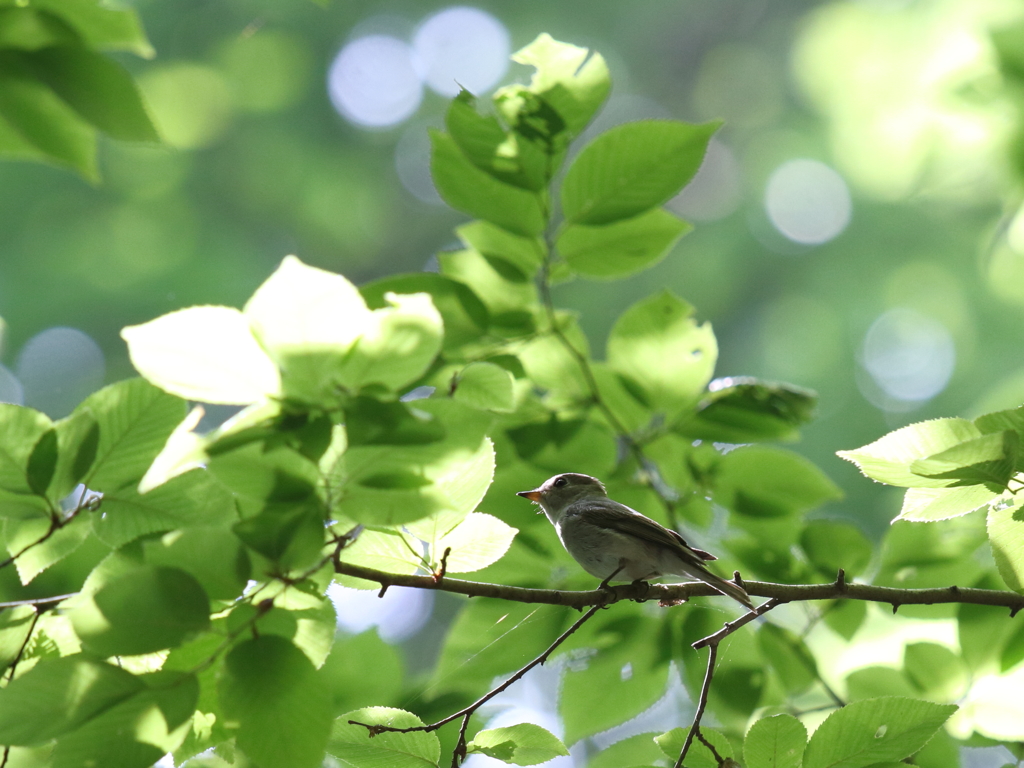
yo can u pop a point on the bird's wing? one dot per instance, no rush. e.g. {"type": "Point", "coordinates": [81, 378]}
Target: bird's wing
{"type": "Point", "coordinates": [635, 524]}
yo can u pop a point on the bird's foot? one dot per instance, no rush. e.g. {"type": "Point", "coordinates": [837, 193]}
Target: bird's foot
{"type": "Point", "coordinates": [608, 590]}
{"type": "Point", "coordinates": [641, 584]}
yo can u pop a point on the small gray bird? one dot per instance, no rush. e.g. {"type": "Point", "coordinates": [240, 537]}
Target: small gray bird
{"type": "Point", "coordinates": [612, 541]}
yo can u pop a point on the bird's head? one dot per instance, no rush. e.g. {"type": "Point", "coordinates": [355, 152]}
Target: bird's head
{"type": "Point", "coordinates": [558, 492]}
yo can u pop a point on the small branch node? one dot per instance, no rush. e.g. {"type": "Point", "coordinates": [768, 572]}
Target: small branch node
{"type": "Point", "coordinates": [954, 590]}
{"type": "Point", "coordinates": [383, 589]}
{"type": "Point", "coordinates": [895, 607]}
{"type": "Point", "coordinates": [444, 566]}
{"type": "Point", "coordinates": [841, 580]}
{"type": "Point", "coordinates": [737, 579]}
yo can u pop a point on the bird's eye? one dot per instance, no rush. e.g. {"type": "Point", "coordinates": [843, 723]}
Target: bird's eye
{"type": "Point", "coordinates": [561, 482]}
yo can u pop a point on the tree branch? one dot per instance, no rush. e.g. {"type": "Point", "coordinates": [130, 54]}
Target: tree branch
{"type": "Point", "coordinates": [468, 711]}
{"type": "Point", "coordinates": [712, 642]}
{"type": "Point", "coordinates": [673, 593]}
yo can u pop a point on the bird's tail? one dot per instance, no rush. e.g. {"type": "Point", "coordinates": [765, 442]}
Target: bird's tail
{"type": "Point", "coordinates": [727, 588]}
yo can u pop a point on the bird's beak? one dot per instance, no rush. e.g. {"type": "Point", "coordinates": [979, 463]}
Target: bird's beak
{"type": "Point", "coordinates": [533, 495]}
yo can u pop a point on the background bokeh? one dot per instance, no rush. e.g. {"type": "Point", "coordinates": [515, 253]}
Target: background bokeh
{"type": "Point", "coordinates": [857, 229]}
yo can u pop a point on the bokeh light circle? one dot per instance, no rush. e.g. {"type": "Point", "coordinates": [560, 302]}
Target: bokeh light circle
{"type": "Point", "coordinates": [58, 368]}
{"type": "Point", "coordinates": [398, 615]}
{"type": "Point", "coordinates": [373, 83]}
{"type": "Point", "coordinates": [807, 201]}
{"type": "Point", "coordinates": [11, 390]}
{"type": "Point", "coordinates": [461, 47]}
{"type": "Point", "coordinates": [909, 356]}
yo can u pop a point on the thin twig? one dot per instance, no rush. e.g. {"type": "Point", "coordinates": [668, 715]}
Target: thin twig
{"type": "Point", "coordinates": [459, 753]}
{"type": "Point", "coordinates": [375, 729]}
{"type": "Point", "coordinates": [39, 601]}
{"type": "Point", "coordinates": [702, 703]}
{"type": "Point", "coordinates": [56, 523]}
{"type": "Point", "coordinates": [672, 593]}
{"type": "Point", "coordinates": [712, 641]}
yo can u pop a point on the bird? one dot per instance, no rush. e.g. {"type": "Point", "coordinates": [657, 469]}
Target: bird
{"type": "Point", "coordinates": [611, 541]}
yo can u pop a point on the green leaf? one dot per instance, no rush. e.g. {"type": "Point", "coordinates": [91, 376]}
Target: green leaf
{"type": "Point", "coordinates": [372, 422]}
{"type": "Point", "coordinates": [475, 543]}
{"type": "Point", "coordinates": [888, 459]}
{"type": "Point", "coordinates": [846, 616]}
{"type": "Point", "coordinates": [789, 656]}
{"type": "Point", "coordinates": [102, 27]}
{"type": "Point", "coordinates": [471, 190]}
{"type": "Point", "coordinates": [632, 168]}
{"type": "Point", "coordinates": [931, 504]}
{"type": "Point", "coordinates": [659, 348]}
{"type": "Point", "coordinates": [145, 610]}
{"type": "Point", "coordinates": [29, 29]}
{"type": "Point", "coordinates": [522, 744]}
{"type": "Point", "coordinates": [699, 756]}
{"type": "Point", "coordinates": [353, 745]}
{"type": "Point", "coordinates": [21, 534]}
{"type": "Point", "coordinates": [21, 430]}
{"type": "Point", "coordinates": [514, 257]}
{"type": "Point", "coordinates": [1006, 533]}
{"type": "Point", "coordinates": [264, 471]}
{"type": "Point", "coordinates": [40, 119]}
{"type": "Point", "coordinates": [638, 750]}
{"type": "Point", "coordinates": [207, 354]}
{"type": "Point", "coordinates": [57, 696]}
{"type": "Point", "coordinates": [388, 551]}
{"type": "Point", "coordinates": [744, 410]}
{"type": "Point", "coordinates": [42, 462]}
{"type": "Point", "coordinates": [275, 702]}
{"type": "Point", "coordinates": [194, 498]}
{"type": "Point", "coordinates": [78, 438]}
{"type": "Point", "coordinates": [507, 157]}
{"type": "Point", "coordinates": [552, 445]}
{"type": "Point", "coordinates": [989, 459]}
{"type": "Point", "coordinates": [135, 419]}
{"type": "Point", "coordinates": [763, 481]}
{"type": "Point", "coordinates": [97, 88]}
{"type": "Point", "coordinates": [15, 625]}
{"type": "Point", "coordinates": [611, 251]}
{"type": "Point", "coordinates": [831, 545]}
{"type": "Point", "coordinates": [464, 315]}
{"type": "Point", "coordinates": [1013, 651]}
{"type": "Point", "coordinates": [288, 533]}
{"type": "Point", "coordinates": [486, 386]}
{"type": "Point", "coordinates": [510, 300]}
{"type": "Point", "coordinates": [775, 742]}
{"type": "Point", "coordinates": [214, 556]}
{"type": "Point", "coordinates": [873, 731]}
{"type": "Point", "coordinates": [390, 485]}
{"type": "Point", "coordinates": [936, 671]}
{"type": "Point", "coordinates": [137, 731]}
{"type": "Point", "coordinates": [566, 80]}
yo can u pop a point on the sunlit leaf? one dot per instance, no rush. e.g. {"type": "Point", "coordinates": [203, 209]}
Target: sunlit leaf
{"type": "Point", "coordinates": [276, 704]}
{"type": "Point", "coordinates": [475, 543]}
{"type": "Point", "coordinates": [471, 190]}
{"type": "Point", "coordinates": [873, 731]}
{"type": "Point", "coordinates": [699, 756]}
{"type": "Point", "coordinates": [775, 742]}
{"type": "Point", "coordinates": [622, 248]}
{"type": "Point", "coordinates": [633, 168]}
{"type": "Point", "coordinates": [939, 673]}
{"type": "Point", "coordinates": [59, 695]}
{"type": "Point", "coordinates": [1006, 533]}
{"type": "Point", "coordinates": [888, 459]}
{"type": "Point", "coordinates": [744, 410]}
{"type": "Point", "coordinates": [137, 731]}
{"type": "Point", "coordinates": [146, 610]}
{"type": "Point", "coordinates": [20, 535]}
{"type": "Point", "coordinates": [573, 84]}
{"type": "Point", "coordinates": [523, 744]}
{"type": "Point", "coordinates": [203, 353]}
{"type": "Point", "coordinates": [989, 459]}
{"type": "Point", "coordinates": [515, 257]}
{"type": "Point", "coordinates": [930, 504]}
{"type": "Point", "coordinates": [485, 385]}
{"type": "Point", "coordinates": [663, 352]}
{"type": "Point", "coordinates": [353, 745]}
